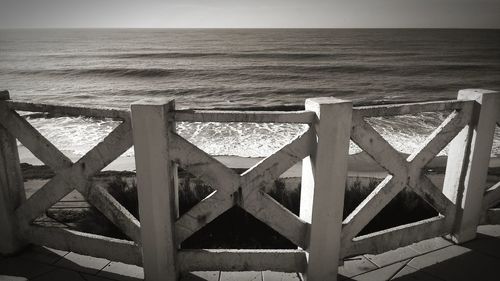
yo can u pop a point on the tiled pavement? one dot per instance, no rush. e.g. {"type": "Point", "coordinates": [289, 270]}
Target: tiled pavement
{"type": "Point", "coordinates": [434, 259]}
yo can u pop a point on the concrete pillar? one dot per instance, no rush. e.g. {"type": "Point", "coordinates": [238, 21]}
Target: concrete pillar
{"type": "Point", "coordinates": [11, 190]}
{"type": "Point", "coordinates": [468, 159]}
{"type": "Point", "coordinates": [156, 191]}
{"type": "Point", "coordinates": [324, 176]}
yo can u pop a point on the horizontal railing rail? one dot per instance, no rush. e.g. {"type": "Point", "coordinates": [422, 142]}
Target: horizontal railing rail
{"type": "Point", "coordinates": [321, 235]}
{"type": "Point", "coordinates": [409, 108]}
{"type": "Point", "coordinates": [305, 117]}
{"type": "Point", "coordinates": [70, 110]}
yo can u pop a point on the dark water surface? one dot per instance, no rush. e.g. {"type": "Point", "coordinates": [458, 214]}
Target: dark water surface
{"type": "Point", "coordinates": [244, 68]}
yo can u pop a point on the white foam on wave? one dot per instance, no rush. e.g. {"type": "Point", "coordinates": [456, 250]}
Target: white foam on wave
{"type": "Point", "coordinates": [76, 136]}
{"type": "Point", "coordinates": [407, 133]}
{"type": "Point", "coordinates": [241, 139]}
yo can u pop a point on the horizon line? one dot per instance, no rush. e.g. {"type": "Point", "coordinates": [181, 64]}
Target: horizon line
{"type": "Point", "coordinates": [68, 28]}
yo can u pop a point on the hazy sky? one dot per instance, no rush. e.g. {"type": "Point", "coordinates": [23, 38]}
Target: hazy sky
{"type": "Point", "coordinates": [250, 13]}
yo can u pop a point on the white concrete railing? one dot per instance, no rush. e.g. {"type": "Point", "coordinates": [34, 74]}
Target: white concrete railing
{"type": "Point", "coordinates": [319, 232]}
{"type": "Point", "coordinates": [17, 213]}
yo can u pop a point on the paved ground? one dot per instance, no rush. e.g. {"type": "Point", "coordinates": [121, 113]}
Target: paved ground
{"type": "Point", "coordinates": [430, 260]}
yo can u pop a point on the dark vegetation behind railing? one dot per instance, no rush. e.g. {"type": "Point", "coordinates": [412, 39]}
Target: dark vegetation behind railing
{"type": "Point", "coordinates": [235, 229]}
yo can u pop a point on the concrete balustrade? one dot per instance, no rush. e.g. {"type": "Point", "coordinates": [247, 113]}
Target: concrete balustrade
{"type": "Point", "coordinates": [322, 237]}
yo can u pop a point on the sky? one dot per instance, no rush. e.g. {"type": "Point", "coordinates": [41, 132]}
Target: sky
{"type": "Point", "coordinates": [250, 13]}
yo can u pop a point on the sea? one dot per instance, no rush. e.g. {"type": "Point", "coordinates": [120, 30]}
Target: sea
{"type": "Point", "coordinates": [244, 69]}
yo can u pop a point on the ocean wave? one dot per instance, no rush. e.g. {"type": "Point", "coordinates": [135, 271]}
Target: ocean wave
{"type": "Point", "coordinates": [251, 55]}
{"type": "Point", "coordinates": [187, 55]}
{"type": "Point", "coordinates": [116, 72]}
{"type": "Point", "coordinates": [244, 94]}
{"type": "Point", "coordinates": [264, 72]}
{"type": "Point", "coordinates": [237, 55]}
{"type": "Point", "coordinates": [248, 71]}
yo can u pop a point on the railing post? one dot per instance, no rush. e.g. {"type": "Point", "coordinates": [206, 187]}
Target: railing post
{"type": "Point", "coordinates": [468, 160]}
{"type": "Point", "coordinates": [323, 185]}
{"type": "Point", "coordinates": [11, 189]}
{"type": "Point", "coordinates": [152, 125]}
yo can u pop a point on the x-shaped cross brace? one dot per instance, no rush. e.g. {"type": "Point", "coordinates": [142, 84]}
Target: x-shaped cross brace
{"type": "Point", "coordinates": [402, 172]}
{"type": "Point", "coordinates": [247, 190]}
{"type": "Point", "coordinates": [69, 175]}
